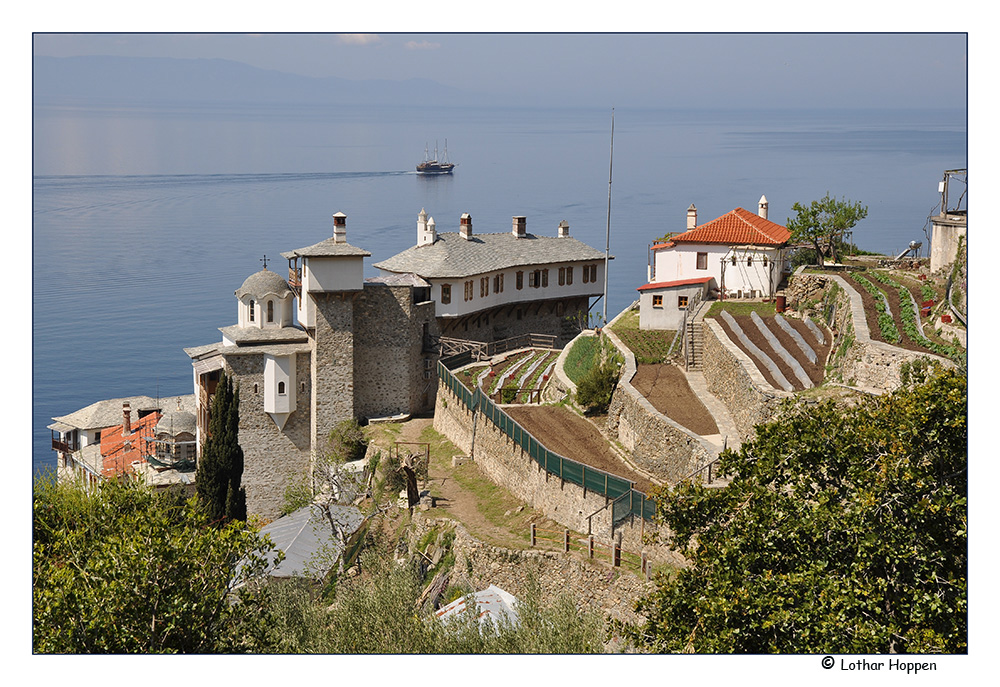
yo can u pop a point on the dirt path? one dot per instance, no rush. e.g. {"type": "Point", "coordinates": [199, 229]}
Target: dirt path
{"type": "Point", "coordinates": [464, 494]}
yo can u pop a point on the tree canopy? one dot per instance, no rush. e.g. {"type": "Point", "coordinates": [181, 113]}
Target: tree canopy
{"type": "Point", "coordinates": [118, 568]}
{"type": "Point", "coordinates": [842, 531]}
{"type": "Point", "coordinates": [220, 467]}
{"type": "Point", "coordinates": [824, 222]}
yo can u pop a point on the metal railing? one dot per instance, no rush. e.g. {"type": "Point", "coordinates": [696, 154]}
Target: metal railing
{"type": "Point", "coordinates": [591, 479]}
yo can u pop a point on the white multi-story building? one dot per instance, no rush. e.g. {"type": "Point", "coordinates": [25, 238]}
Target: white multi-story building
{"type": "Point", "coordinates": [738, 255]}
{"type": "Point", "coordinates": [496, 285]}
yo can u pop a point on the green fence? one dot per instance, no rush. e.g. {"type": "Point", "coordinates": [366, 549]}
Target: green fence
{"type": "Point", "coordinates": [627, 500]}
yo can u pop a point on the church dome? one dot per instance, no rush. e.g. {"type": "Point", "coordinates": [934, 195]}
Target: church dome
{"type": "Point", "coordinates": [264, 283]}
{"type": "Point", "coordinates": [176, 422]}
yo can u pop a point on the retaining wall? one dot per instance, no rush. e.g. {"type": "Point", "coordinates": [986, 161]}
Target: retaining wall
{"type": "Point", "coordinates": [657, 445]}
{"type": "Point", "coordinates": [509, 466]}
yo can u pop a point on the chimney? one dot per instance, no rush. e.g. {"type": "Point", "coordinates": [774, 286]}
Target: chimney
{"type": "Point", "coordinates": [465, 226]}
{"type": "Point", "coordinates": [126, 418]}
{"type": "Point", "coordinates": [692, 217]}
{"type": "Point", "coordinates": [340, 228]}
{"type": "Point", "coordinates": [762, 207]}
{"type": "Point", "coordinates": [563, 229]}
{"type": "Point", "coordinates": [426, 232]}
{"type": "Point", "coordinates": [519, 226]}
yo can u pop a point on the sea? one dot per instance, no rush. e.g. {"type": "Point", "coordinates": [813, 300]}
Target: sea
{"type": "Point", "coordinates": [146, 219]}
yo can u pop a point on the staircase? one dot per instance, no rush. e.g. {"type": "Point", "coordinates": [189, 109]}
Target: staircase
{"type": "Point", "coordinates": [694, 338]}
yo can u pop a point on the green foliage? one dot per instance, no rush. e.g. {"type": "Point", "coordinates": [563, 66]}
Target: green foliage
{"type": "Point", "coordinates": [375, 613]}
{"type": "Point", "coordinates": [844, 530]}
{"type": "Point", "coordinates": [886, 325]}
{"type": "Point", "coordinates": [823, 224]}
{"type": "Point", "coordinates": [298, 493]}
{"type": "Point", "coordinates": [118, 568]}
{"type": "Point", "coordinates": [581, 357]}
{"type": "Point", "coordinates": [737, 308]}
{"type": "Point", "coordinates": [347, 441]}
{"type": "Point", "coordinates": [594, 391]}
{"type": "Point", "coordinates": [508, 394]}
{"type": "Point", "coordinates": [220, 468]}
{"type": "Point", "coordinates": [647, 345]}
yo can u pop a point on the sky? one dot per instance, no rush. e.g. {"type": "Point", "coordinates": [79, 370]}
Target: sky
{"type": "Point", "coordinates": [827, 70]}
{"type": "Point", "coordinates": [755, 70]}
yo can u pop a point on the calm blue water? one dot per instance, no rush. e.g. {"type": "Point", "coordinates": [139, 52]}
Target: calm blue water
{"type": "Point", "coordinates": [146, 221]}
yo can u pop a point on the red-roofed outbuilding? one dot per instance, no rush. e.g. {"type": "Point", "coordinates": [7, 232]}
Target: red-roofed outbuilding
{"type": "Point", "coordinates": [738, 255]}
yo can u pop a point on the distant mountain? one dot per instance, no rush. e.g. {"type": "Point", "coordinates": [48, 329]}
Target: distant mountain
{"type": "Point", "coordinates": [137, 80]}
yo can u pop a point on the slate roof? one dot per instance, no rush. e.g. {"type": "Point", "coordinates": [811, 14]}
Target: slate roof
{"type": "Point", "coordinates": [327, 248]}
{"type": "Point", "coordinates": [263, 283]}
{"type": "Point", "coordinates": [108, 413]}
{"type": "Point", "coordinates": [219, 348]}
{"type": "Point", "coordinates": [251, 335]}
{"type": "Point", "coordinates": [454, 257]}
{"type": "Point", "coordinates": [737, 227]}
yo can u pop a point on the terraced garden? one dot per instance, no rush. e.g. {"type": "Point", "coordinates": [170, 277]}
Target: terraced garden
{"type": "Point", "coordinates": [789, 352]}
{"type": "Point", "coordinates": [515, 379]}
{"type": "Point", "coordinates": [901, 311]}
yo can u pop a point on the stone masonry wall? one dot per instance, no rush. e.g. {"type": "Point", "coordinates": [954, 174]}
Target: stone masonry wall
{"type": "Point", "coordinates": [333, 363]}
{"type": "Point", "coordinates": [596, 586]}
{"type": "Point", "coordinates": [272, 458]}
{"type": "Point", "coordinates": [656, 444]}
{"type": "Point", "coordinates": [390, 371]}
{"type": "Point", "coordinates": [509, 466]}
{"type": "Point", "coordinates": [734, 379]}
{"type": "Point", "coordinates": [869, 365]}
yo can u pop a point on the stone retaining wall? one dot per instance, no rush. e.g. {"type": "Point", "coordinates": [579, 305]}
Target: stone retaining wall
{"type": "Point", "coordinates": [734, 379]}
{"type": "Point", "coordinates": [595, 585]}
{"type": "Point", "coordinates": [509, 466]}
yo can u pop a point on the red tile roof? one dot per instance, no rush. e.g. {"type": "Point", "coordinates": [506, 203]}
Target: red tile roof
{"type": "Point", "coordinates": [669, 284]}
{"type": "Point", "coordinates": [739, 227]}
{"type": "Point", "coordinates": [119, 452]}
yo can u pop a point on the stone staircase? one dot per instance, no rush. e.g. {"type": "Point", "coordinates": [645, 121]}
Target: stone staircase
{"type": "Point", "coordinates": [694, 338]}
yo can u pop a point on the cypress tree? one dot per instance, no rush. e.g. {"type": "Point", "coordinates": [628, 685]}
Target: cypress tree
{"type": "Point", "coordinates": [220, 469]}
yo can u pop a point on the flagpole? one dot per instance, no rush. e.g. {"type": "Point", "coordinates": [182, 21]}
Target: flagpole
{"type": "Point", "coordinates": [607, 244]}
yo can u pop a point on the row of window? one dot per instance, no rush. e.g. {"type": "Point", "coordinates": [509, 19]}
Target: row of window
{"type": "Point", "coordinates": [682, 302]}
{"type": "Point", "coordinates": [702, 261]}
{"type": "Point", "coordinates": [270, 311]}
{"type": "Point", "coordinates": [536, 279]}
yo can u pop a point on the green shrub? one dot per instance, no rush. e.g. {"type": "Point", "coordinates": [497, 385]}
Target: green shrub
{"type": "Point", "coordinates": [594, 391]}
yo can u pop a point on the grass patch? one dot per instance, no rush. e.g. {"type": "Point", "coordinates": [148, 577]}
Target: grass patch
{"type": "Point", "coordinates": [737, 308]}
{"type": "Point", "coordinates": [650, 346]}
{"type": "Point", "coordinates": [581, 357]}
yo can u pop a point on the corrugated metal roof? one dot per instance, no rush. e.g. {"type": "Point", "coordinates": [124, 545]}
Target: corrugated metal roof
{"type": "Point", "coordinates": [493, 603]}
{"type": "Point", "coordinates": [311, 547]}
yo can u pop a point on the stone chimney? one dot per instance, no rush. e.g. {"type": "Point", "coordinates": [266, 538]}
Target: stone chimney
{"type": "Point", "coordinates": [465, 226]}
{"type": "Point", "coordinates": [126, 418]}
{"type": "Point", "coordinates": [519, 227]}
{"type": "Point", "coordinates": [340, 228]}
{"type": "Point", "coordinates": [426, 230]}
{"type": "Point", "coordinates": [563, 229]}
{"type": "Point", "coordinates": [762, 207]}
{"type": "Point", "coordinates": [692, 217]}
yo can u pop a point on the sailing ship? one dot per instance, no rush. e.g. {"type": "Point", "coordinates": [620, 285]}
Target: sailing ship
{"type": "Point", "coordinates": [431, 165]}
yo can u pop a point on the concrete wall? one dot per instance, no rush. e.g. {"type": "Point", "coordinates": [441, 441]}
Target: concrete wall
{"type": "Point", "coordinates": [946, 234]}
{"type": "Point", "coordinates": [669, 315]}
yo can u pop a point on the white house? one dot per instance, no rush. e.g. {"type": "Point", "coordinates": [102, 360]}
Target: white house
{"type": "Point", "coordinates": [738, 255]}
{"type": "Point", "coordinates": [492, 285]}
